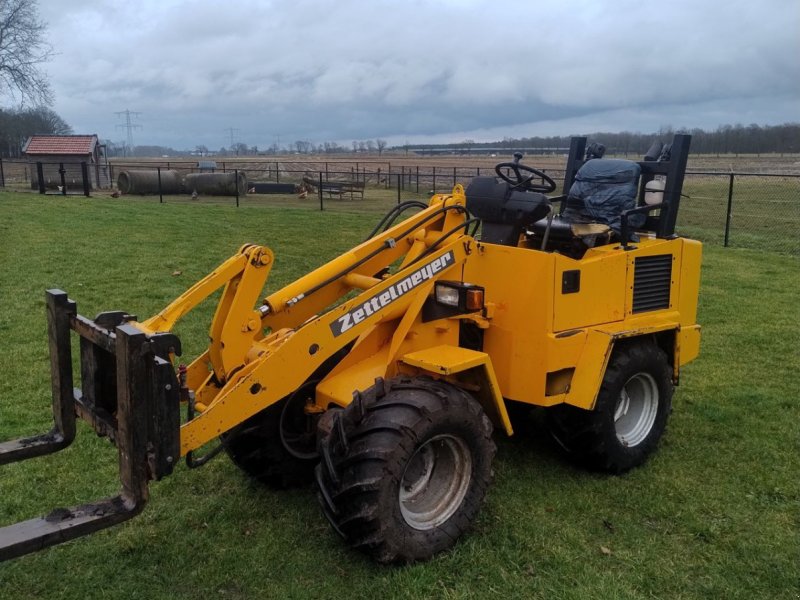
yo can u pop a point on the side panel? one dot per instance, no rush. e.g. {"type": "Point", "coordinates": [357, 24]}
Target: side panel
{"type": "Point", "coordinates": [600, 293]}
{"type": "Point", "coordinates": [644, 288]}
{"type": "Point", "coordinates": [691, 258]}
{"type": "Point", "coordinates": [519, 283]}
{"type": "Point", "coordinates": [688, 345]}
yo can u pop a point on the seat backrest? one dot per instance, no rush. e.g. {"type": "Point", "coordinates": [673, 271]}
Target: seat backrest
{"type": "Point", "coordinates": [603, 189]}
{"type": "Point", "coordinates": [504, 211]}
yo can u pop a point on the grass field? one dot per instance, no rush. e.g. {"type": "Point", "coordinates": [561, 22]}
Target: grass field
{"type": "Point", "coordinates": [715, 514]}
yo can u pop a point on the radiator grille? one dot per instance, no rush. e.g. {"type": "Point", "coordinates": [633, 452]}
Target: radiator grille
{"type": "Point", "coordinates": [652, 277]}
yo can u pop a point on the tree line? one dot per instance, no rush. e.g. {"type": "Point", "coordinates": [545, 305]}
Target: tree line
{"type": "Point", "coordinates": [16, 125]}
{"type": "Point", "coordinates": [725, 139]}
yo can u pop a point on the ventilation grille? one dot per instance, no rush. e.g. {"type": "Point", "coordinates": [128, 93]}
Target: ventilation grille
{"type": "Point", "coordinates": [652, 276]}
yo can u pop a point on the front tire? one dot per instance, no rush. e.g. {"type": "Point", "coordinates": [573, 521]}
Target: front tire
{"type": "Point", "coordinates": [630, 415]}
{"type": "Point", "coordinates": [405, 468]}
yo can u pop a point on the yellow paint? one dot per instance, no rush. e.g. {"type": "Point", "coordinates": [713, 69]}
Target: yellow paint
{"type": "Point", "coordinates": [601, 298]}
{"type": "Point", "coordinates": [449, 362]}
{"type": "Point", "coordinates": [688, 346]}
{"type": "Point", "coordinates": [541, 345]}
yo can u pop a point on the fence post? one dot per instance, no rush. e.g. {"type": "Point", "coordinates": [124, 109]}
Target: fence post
{"type": "Point", "coordinates": [398, 188]}
{"type": "Point", "coordinates": [326, 170]}
{"type": "Point", "coordinates": [236, 185]}
{"type": "Point", "coordinates": [63, 173]}
{"type": "Point", "coordinates": [434, 180]}
{"type": "Point", "coordinates": [319, 188]}
{"type": "Point", "coordinates": [417, 179]}
{"type": "Point", "coordinates": [85, 177]}
{"type": "Point", "coordinates": [729, 211]}
{"type": "Point", "coordinates": [454, 177]}
{"type": "Point", "coordinates": [277, 173]}
{"type": "Point", "coordinates": [160, 194]}
{"type": "Point", "coordinates": [40, 175]}
{"type": "Point", "coordinates": [2, 175]}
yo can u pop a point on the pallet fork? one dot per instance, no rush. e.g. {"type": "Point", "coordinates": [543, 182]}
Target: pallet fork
{"type": "Point", "coordinates": [129, 393]}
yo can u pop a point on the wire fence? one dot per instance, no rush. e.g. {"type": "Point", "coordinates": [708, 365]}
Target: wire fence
{"type": "Point", "coordinates": [744, 210]}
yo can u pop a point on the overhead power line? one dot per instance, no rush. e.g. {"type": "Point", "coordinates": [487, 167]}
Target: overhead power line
{"type": "Point", "coordinates": [128, 123]}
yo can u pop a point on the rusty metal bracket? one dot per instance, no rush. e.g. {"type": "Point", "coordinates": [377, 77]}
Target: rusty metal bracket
{"type": "Point", "coordinates": [129, 394]}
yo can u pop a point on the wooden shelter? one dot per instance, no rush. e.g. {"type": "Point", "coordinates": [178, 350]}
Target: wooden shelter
{"type": "Point", "coordinates": [67, 151]}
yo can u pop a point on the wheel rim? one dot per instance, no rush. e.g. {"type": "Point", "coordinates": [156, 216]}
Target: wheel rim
{"type": "Point", "coordinates": [636, 409]}
{"type": "Point", "coordinates": [435, 482]}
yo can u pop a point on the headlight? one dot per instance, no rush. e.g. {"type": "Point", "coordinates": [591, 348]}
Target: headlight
{"type": "Point", "coordinates": [465, 297]}
{"type": "Point", "coordinates": [446, 295]}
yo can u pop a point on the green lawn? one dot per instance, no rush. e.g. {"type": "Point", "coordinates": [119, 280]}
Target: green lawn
{"type": "Point", "coordinates": [765, 213]}
{"type": "Point", "coordinates": [715, 514]}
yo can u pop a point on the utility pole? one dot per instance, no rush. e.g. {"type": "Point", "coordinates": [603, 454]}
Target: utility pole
{"type": "Point", "coordinates": [128, 125]}
{"type": "Point", "coordinates": [234, 134]}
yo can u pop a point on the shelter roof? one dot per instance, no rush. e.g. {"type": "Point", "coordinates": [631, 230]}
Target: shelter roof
{"type": "Point", "coordinates": [60, 144]}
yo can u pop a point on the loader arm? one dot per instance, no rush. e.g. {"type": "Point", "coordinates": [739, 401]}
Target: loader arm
{"type": "Point", "coordinates": [130, 392]}
{"type": "Point", "coordinates": [284, 362]}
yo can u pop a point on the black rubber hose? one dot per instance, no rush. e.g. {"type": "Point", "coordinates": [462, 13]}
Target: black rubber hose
{"type": "Point", "coordinates": [393, 214]}
{"type": "Point", "coordinates": [444, 236]}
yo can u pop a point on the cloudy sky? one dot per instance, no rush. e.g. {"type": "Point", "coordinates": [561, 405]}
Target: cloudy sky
{"type": "Point", "coordinates": [418, 70]}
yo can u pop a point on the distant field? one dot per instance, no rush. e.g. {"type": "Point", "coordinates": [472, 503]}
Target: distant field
{"type": "Point", "coordinates": [344, 166]}
{"type": "Point", "coordinates": [715, 514]}
{"type": "Point", "coordinates": [765, 210]}
{"type": "Point", "coordinates": [773, 163]}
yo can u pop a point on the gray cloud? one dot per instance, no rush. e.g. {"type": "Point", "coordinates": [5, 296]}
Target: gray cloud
{"type": "Point", "coordinates": [347, 69]}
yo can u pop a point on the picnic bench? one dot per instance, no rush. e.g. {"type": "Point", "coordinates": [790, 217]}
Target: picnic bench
{"type": "Point", "coordinates": [338, 188]}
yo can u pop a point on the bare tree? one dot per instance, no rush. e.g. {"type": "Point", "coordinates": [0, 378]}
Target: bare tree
{"type": "Point", "coordinates": [16, 125]}
{"type": "Point", "coordinates": [22, 51]}
{"type": "Point", "coordinates": [381, 145]}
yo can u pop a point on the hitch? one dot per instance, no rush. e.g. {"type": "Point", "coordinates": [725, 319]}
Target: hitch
{"type": "Point", "coordinates": [129, 393]}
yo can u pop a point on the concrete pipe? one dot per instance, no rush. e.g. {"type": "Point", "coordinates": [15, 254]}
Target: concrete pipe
{"type": "Point", "coordinates": [143, 182]}
{"type": "Point", "coordinates": [216, 184]}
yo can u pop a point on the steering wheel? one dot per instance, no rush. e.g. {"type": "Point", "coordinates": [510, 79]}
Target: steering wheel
{"type": "Point", "coordinates": [525, 182]}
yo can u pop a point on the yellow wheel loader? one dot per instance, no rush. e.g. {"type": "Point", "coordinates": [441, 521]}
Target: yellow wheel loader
{"type": "Point", "coordinates": [384, 374]}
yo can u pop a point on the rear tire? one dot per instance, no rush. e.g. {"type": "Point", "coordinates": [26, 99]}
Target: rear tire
{"type": "Point", "coordinates": [261, 449]}
{"type": "Point", "coordinates": [630, 416]}
{"type": "Point", "coordinates": [405, 468]}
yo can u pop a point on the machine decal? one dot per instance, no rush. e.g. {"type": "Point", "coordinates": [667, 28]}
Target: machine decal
{"type": "Point", "coordinates": [390, 294]}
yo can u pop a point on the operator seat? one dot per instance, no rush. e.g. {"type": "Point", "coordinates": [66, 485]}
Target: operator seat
{"type": "Point", "coordinates": [504, 211]}
{"type": "Point", "coordinates": [602, 190]}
